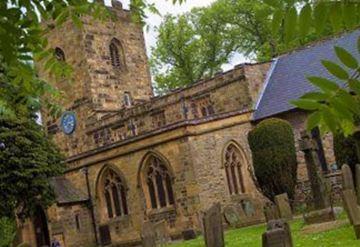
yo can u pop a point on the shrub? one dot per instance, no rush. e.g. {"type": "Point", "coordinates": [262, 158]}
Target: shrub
{"type": "Point", "coordinates": [7, 231]}
{"type": "Point", "coordinates": [345, 151]}
{"type": "Point", "coordinates": [274, 157]}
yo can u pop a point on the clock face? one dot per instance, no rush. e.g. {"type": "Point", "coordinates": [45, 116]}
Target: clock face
{"type": "Point", "coordinates": [68, 122]}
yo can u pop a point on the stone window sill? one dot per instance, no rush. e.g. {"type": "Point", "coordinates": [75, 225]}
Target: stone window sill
{"type": "Point", "coordinates": [117, 219]}
{"type": "Point", "coordinates": [154, 211]}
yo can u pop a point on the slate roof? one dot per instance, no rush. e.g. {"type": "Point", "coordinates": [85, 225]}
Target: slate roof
{"type": "Point", "coordinates": [287, 79]}
{"type": "Point", "coordinates": [65, 191]}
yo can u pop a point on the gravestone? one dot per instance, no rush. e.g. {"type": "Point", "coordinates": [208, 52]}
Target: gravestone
{"type": "Point", "coordinates": [347, 178]}
{"type": "Point", "coordinates": [213, 228]}
{"type": "Point", "coordinates": [357, 179]}
{"type": "Point", "coordinates": [318, 188]}
{"type": "Point", "coordinates": [321, 202]}
{"type": "Point", "coordinates": [148, 235]}
{"type": "Point", "coordinates": [161, 233]}
{"type": "Point", "coordinates": [283, 206]}
{"type": "Point", "coordinates": [231, 215]}
{"type": "Point", "coordinates": [352, 210]}
{"type": "Point", "coordinates": [271, 212]}
{"type": "Point", "coordinates": [248, 207]}
{"type": "Point", "coordinates": [278, 234]}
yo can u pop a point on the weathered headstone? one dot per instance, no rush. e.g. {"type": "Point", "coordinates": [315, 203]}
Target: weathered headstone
{"type": "Point", "coordinates": [283, 206]}
{"type": "Point", "coordinates": [347, 178]}
{"type": "Point", "coordinates": [213, 228]}
{"type": "Point", "coordinates": [318, 188]}
{"type": "Point", "coordinates": [161, 233]}
{"type": "Point", "coordinates": [278, 234]}
{"type": "Point", "coordinates": [231, 215]}
{"type": "Point", "coordinates": [148, 235]}
{"type": "Point", "coordinates": [352, 210]}
{"type": "Point", "coordinates": [271, 212]}
{"type": "Point", "coordinates": [357, 179]}
{"type": "Point", "coordinates": [319, 216]}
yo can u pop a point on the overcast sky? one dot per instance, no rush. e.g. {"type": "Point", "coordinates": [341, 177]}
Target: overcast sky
{"type": "Point", "coordinates": [166, 7]}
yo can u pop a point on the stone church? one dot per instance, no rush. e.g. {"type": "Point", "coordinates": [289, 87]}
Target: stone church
{"type": "Point", "coordinates": [134, 157]}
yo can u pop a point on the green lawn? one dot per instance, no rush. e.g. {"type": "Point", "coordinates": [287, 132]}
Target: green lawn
{"type": "Point", "coordinates": [251, 237]}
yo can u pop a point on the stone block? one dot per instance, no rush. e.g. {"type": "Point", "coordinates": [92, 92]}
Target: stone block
{"type": "Point", "coordinates": [213, 228]}
{"type": "Point", "coordinates": [348, 182]}
{"type": "Point", "coordinates": [278, 234]}
{"type": "Point", "coordinates": [283, 206]}
{"type": "Point", "coordinates": [319, 216]}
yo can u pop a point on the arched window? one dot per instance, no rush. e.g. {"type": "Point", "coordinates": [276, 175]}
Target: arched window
{"type": "Point", "coordinates": [59, 54]}
{"type": "Point", "coordinates": [158, 182]}
{"type": "Point", "coordinates": [116, 53]}
{"type": "Point", "coordinates": [232, 164]}
{"type": "Point", "coordinates": [114, 194]}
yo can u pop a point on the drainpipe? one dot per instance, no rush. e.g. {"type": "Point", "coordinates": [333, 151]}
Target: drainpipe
{"type": "Point", "coordinates": [85, 170]}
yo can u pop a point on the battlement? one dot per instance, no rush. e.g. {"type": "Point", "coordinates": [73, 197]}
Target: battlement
{"type": "Point", "coordinates": [226, 94]}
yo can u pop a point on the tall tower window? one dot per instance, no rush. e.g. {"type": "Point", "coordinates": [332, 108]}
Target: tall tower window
{"type": "Point", "coordinates": [116, 54]}
{"type": "Point", "coordinates": [59, 54]}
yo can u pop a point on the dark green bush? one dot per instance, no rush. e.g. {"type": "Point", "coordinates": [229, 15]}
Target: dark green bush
{"type": "Point", "coordinates": [274, 157]}
{"type": "Point", "coordinates": [345, 151]}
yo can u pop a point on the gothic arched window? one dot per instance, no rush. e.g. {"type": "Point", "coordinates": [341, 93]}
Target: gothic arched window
{"type": "Point", "coordinates": [158, 182]}
{"type": "Point", "coordinates": [59, 54]}
{"type": "Point", "coordinates": [232, 164]}
{"type": "Point", "coordinates": [114, 194]}
{"type": "Point", "coordinates": [116, 53]}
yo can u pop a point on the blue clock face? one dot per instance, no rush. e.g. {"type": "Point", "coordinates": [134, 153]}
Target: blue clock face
{"type": "Point", "coordinates": [68, 122]}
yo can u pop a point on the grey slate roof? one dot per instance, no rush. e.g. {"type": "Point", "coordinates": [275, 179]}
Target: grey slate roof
{"type": "Point", "coordinates": [65, 191]}
{"type": "Point", "coordinates": [287, 80]}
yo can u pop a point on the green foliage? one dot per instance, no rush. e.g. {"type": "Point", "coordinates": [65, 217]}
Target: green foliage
{"type": "Point", "coordinates": [195, 45]}
{"type": "Point", "coordinates": [27, 161]}
{"type": "Point", "coordinates": [335, 108]}
{"type": "Point", "coordinates": [7, 231]}
{"type": "Point", "coordinates": [23, 40]}
{"type": "Point", "coordinates": [345, 151]}
{"type": "Point", "coordinates": [274, 157]}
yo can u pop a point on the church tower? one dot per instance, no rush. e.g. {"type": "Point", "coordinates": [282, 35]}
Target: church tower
{"type": "Point", "coordinates": [110, 67]}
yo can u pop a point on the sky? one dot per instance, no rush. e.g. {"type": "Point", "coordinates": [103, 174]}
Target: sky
{"type": "Point", "coordinates": [166, 7]}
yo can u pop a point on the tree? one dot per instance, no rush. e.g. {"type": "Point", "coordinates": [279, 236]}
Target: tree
{"type": "Point", "coordinates": [195, 45]}
{"type": "Point", "coordinates": [27, 160]}
{"type": "Point", "coordinates": [274, 157]}
{"type": "Point", "coordinates": [335, 106]}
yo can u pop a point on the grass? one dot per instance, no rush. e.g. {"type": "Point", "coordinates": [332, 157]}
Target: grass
{"type": "Point", "coordinates": [251, 237]}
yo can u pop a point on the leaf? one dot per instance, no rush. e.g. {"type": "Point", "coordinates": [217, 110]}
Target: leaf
{"type": "Point", "coordinates": [306, 104]}
{"type": "Point", "coordinates": [323, 83]}
{"type": "Point", "coordinates": [290, 24]}
{"type": "Point", "coordinates": [305, 20]}
{"type": "Point", "coordinates": [346, 58]}
{"type": "Point", "coordinates": [313, 120]}
{"type": "Point", "coordinates": [329, 119]}
{"type": "Point", "coordinates": [315, 96]}
{"type": "Point", "coordinates": [354, 86]}
{"type": "Point", "coordinates": [335, 69]}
